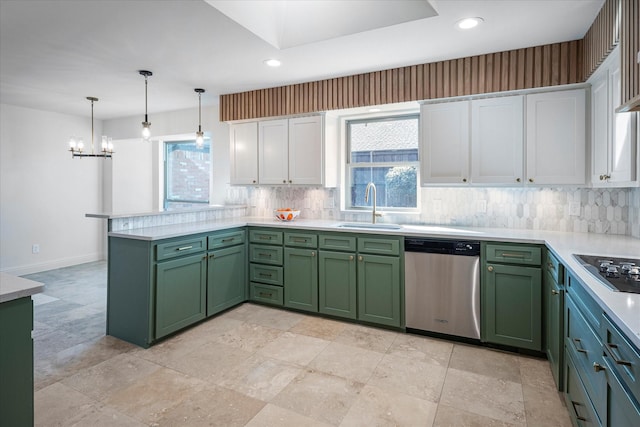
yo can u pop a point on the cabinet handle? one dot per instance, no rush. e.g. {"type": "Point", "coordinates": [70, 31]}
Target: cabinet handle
{"type": "Point", "coordinates": [211, 256]}
{"type": "Point", "coordinates": [261, 255]}
{"type": "Point", "coordinates": [575, 410]}
{"type": "Point", "coordinates": [518, 180]}
{"type": "Point", "coordinates": [464, 179]}
{"type": "Point", "coordinates": [604, 177]}
{"type": "Point", "coordinates": [530, 179]}
{"type": "Point", "coordinates": [265, 275]}
{"type": "Point", "coordinates": [360, 258]}
{"type": "Point", "coordinates": [615, 357]}
{"type": "Point", "coordinates": [551, 266]}
{"type": "Point", "coordinates": [350, 257]}
{"type": "Point", "coordinates": [254, 181]}
{"type": "Point", "coordinates": [230, 239]}
{"type": "Point", "coordinates": [313, 254]}
{"type": "Point", "coordinates": [264, 237]}
{"type": "Point", "coordinates": [510, 255]}
{"type": "Point", "coordinates": [490, 268]}
{"type": "Point", "coordinates": [299, 240]}
{"type": "Point", "coordinates": [265, 294]}
{"type": "Point", "coordinates": [184, 248]}
{"type": "Point", "coordinates": [290, 182]}
{"type": "Point", "coordinates": [284, 181]}
{"type": "Point", "coordinates": [554, 292]}
{"type": "Point", "coordinates": [598, 367]}
{"type": "Point", "coordinates": [579, 349]}
{"type": "Point", "coordinates": [205, 257]}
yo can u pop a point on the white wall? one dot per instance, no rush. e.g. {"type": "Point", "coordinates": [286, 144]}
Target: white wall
{"type": "Point", "coordinates": [44, 193]}
{"type": "Point", "coordinates": [137, 168]}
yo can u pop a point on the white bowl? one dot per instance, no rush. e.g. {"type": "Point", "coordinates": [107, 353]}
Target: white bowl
{"type": "Point", "coordinates": [286, 215]}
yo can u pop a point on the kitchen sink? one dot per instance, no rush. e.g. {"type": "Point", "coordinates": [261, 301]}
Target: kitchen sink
{"type": "Point", "coordinates": [370, 226]}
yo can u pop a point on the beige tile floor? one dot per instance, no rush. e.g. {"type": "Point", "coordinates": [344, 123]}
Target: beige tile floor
{"type": "Point", "coordinates": [260, 366]}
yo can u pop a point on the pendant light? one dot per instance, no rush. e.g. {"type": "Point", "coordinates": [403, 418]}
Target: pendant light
{"type": "Point", "coordinates": [76, 145]}
{"type": "Point", "coordinates": [199, 133]}
{"type": "Point", "coordinates": [146, 125]}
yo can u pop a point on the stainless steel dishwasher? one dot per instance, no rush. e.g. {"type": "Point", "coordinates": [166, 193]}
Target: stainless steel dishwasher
{"type": "Point", "coordinates": [442, 286]}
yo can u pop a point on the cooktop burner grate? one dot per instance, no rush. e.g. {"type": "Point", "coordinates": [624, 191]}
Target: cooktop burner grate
{"type": "Point", "coordinates": [621, 274]}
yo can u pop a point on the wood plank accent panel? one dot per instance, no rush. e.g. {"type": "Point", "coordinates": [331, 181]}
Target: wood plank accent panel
{"type": "Point", "coordinates": [629, 47]}
{"type": "Point", "coordinates": [602, 36]}
{"type": "Point", "coordinates": [539, 66]}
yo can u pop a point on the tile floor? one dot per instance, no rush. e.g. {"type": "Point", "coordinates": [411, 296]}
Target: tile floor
{"type": "Point", "coordinates": [260, 366]}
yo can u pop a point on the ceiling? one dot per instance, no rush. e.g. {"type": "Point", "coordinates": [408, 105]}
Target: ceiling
{"type": "Point", "coordinates": [54, 53]}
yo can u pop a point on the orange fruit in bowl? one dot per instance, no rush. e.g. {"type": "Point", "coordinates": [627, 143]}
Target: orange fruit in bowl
{"type": "Point", "coordinates": [290, 217]}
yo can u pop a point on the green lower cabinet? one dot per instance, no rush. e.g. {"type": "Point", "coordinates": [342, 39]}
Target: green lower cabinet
{"type": "Point", "coordinates": [181, 290]}
{"type": "Point", "coordinates": [379, 289]}
{"type": "Point", "coordinates": [337, 284]}
{"type": "Point", "coordinates": [622, 409]}
{"type": "Point", "coordinates": [301, 279]}
{"type": "Point", "coordinates": [226, 278]}
{"type": "Point", "coordinates": [512, 306]}
{"type": "Point", "coordinates": [579, 405]}
{"type": "Point", "coordinates": [16, 362]}
{"type": "Point", "coordinates": [553, 299]}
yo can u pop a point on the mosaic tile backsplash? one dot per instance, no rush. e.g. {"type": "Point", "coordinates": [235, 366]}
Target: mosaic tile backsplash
{"type": "Point", "coordinates": [588, 210]}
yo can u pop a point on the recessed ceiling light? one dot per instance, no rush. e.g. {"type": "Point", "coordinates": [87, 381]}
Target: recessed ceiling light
{"type": "Point", "coordinates": [469, 23]}
{"type": "Point", "coordinates": [272, 62]}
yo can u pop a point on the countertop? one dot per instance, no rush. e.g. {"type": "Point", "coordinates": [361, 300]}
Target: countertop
{"type": "Point", "coordinates": [14, 287]}
{"type": "Point", "coordinates": [623, 308]}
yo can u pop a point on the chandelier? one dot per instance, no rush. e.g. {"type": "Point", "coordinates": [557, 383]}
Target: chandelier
{"type": "Point", "coordinates": [76, 145]}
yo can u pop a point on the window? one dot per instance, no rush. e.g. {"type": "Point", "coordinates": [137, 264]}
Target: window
{"type": "Point", "coordinates": [383, 151]}
{"type": "Point", "coordinates": [187, 169]}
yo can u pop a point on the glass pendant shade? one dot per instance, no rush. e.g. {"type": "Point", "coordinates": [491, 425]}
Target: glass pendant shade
{"type": "Point", "coordinates": [199, 133]}
{"type": "Point", "coordinates": [146, 124]}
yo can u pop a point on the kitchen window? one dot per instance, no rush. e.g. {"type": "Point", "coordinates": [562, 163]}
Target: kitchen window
{"type": "Point", "coordinates": [383, 150]}
{"type": "Point", "coordinates": [187, 171]}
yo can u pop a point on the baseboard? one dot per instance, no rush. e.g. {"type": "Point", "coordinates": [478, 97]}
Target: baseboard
{"type": "Point", "coordinates": [54, 264]}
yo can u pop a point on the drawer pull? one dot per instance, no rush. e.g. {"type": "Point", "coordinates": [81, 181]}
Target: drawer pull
{"type": "Point", "coordinates": [262, 255]}
{"type": "Point", "coordinates": [615, 357]}
{"type": "Point", "coordinates": [313, 254]}
{"type": "Point", "coordinates": [211, 256]}
{"type": "Point", "coordinates": [551, 266]}
{"type": "Point", "coordinates": [265, 275]}
{"type": "Point", "coordinates": [350, 257]}
{"type": "Point", "coordinates": [510, 255]}
{"type": "Point", "coordinates": [575, 410]}
{"type": "Point", "coordinates": [299, 240]}
{"type": "Point", "coordinates": [579, 349]}
{"type": "Point", "coordinates": [184, 248]}
{"type": "Point", "coordinates": [554, 292]}
{"type": "Point", "coordinates": [230, 239]}
{"type": "Point", "coordinates": [490, 268]}
{"type": "Point", "coordinates": [597, 367]}
{"type": "Point", "coordinates": [360, 258]}
{"type": "Point", "coordinates": [265, 294]}
{"type": "Point", "coordinates": [264, 237]}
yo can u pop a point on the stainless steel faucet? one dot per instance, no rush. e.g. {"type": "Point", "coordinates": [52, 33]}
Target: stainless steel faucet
{"type": "Point", "coordinates": [366, 199]}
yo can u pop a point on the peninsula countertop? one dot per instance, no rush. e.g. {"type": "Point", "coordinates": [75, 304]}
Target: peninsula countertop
{"type": "Point", "coordinates": [623, 308]}
{"type": "Point", "coordinates": [14, 287]}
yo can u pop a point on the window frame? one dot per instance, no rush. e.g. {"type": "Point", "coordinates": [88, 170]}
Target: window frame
{"type": "Point", "coordinates": [165, 172]}
{"type": "Point", "coordinates": [349, 165]}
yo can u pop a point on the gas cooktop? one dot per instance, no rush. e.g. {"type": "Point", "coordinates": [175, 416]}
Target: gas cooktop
{"type": "Point", "coordinates": [621, 274]}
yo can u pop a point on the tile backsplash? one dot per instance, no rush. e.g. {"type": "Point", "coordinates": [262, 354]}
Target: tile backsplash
{"type": "Point", "coordinates": [603, 211]}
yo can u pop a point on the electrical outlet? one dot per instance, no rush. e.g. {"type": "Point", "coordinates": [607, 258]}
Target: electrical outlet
{"type": "Point", "coordinates": [35, 248]}
{"type": "Point", "coordinates": [574, 209]}
{"type": "Point", "coordinates": [481, 206]}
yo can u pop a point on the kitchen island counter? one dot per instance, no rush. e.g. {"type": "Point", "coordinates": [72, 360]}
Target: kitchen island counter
{"type": "Point", "coordinates": [13, 287]}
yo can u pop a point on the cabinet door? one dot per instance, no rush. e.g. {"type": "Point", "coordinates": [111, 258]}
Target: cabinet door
{"type": "Point", "coordinates": [497, 140]}
{"type": "Point", "coordinates": [337, 284]}
{"type": "Point", "coordinates": [181, 287]}
{"type": "Point", "coordinates": [623, 409]}
{"type": "Point", "coordinates": [379, 289]}
{"type": "Point", "coordinates": [512, 306]}
{"type": "Point", "coordinates": [301, 279]}
{"type": "Point", "coordinates": [600, 134]}
{"type": "Point", "coordinates": [244, 153]}
{"type": "Point", "coordinates": [226, 278]}
{"type": "Point", "coordinates": [556, 142]}
{"type": "Point", "coordinates": [622, 157]}
{"type": "Point", "coordinates": [305, 150]}
{"type": "Point", "coordinates": [273, 150]}
{"type": "Point", "coordinates": [444, 156]}
{"type": "Point", "coordinates": [553, 298]}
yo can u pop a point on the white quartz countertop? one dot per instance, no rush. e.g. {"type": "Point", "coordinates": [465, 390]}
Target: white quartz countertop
{"type": "Point", "coordinates": [14, 287]}
{"type": "Point", "coordinates": [623, 308]}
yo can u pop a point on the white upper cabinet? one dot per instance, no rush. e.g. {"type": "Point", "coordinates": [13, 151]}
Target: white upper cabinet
{"type": "Point", "coordinates": [273, 152]}
{"type": "Point", "coordinates": [556, 143]}
{"type": "Point", "coordinates": [444, 156]}
{"type": "Point", "coordinates": [244, 153]}
{"type": "Point", "coordinates": [305, 151]}
{"type": "Point", "coordinates": [497, 140]}
{"type": "Point", "coordinates": [613, 151]}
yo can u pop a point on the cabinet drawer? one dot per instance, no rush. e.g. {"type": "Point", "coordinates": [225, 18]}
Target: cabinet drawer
{"type": "Point", "coordinates": [266, 274]}
{"type": "Point", "coordinates": [585, 302]}
{"type": "Point", "coordinates": [378, 246]}
{"type": "Point", "coordinates": [578, 403]}
{"type": "Point", "coordinates": [337, 242]}
{"type": "Point", "coordinates": [271, 237]}
{"type": "Point", "coordinates": [514, 254]}
{"type": "Point", "coordinates": [554, 268]}
{"type": "Point", "coordinates": [583, 344]}
{"type": "Point", "coordinates": [180, 248]}
{"type": "Point", "coordinates": [301, 240]}
{"type": "Point", "coordinates": [265, 254]}
{"type": "Point", "coordinates": [266, 293]}
{"type": "Point", "coordinates": [224, 239]}
{"type": "Point", "coordinates": [625, 358]}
